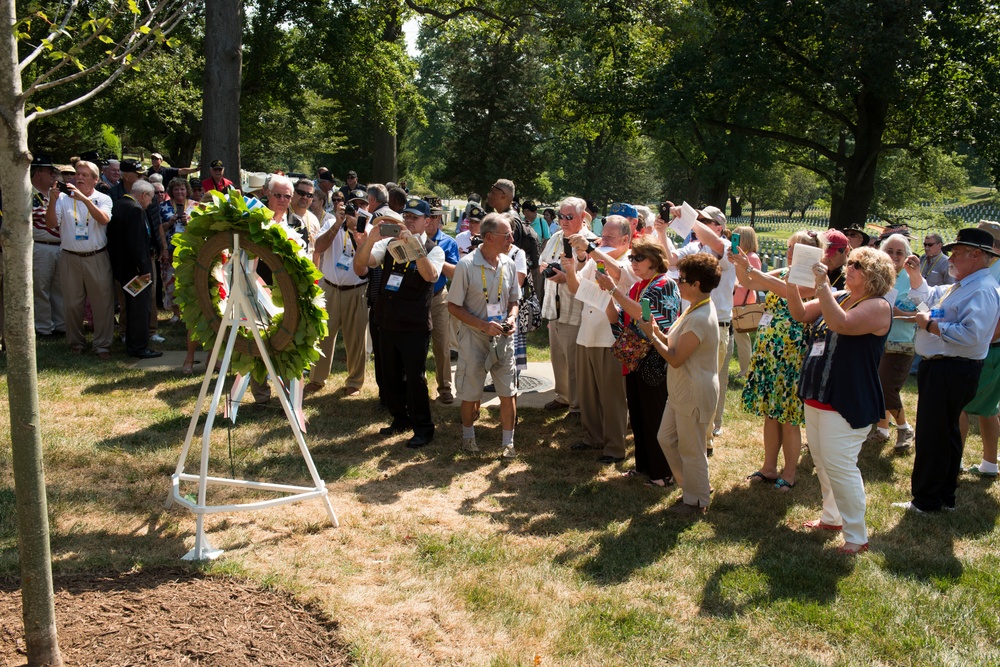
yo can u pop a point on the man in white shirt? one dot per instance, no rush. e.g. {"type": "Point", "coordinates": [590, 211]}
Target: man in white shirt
{"type": "Point", "coordinates": [561, 308]}
{"type": "Point", "coordinates": [345, 302]}
{"type": "Point", "coordinates": [82, 216]}
{"type": "Point", "coordinates": [601, 385]}
{"type": "Point", "coordinates": [709, 232]}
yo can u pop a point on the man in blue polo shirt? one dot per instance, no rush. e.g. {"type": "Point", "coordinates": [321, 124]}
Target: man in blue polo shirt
{"type": "Point", "coordinates": [441, 333]}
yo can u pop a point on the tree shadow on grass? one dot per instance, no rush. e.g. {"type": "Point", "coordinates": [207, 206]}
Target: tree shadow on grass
{"type": "Point", "coordinates": [922, 546]}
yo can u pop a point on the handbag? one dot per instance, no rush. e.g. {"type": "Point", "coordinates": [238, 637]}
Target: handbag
{"type": "Point", "coordinates": [747, 318]}
{"type": "Point", "coordinates": [529, 311]}
{"type": "Point", "coordinates": [631, 347]}
{"type": "Point", "coordinates": [653, 369]}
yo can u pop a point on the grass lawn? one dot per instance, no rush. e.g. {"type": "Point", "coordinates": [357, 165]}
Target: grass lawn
{"type": "Point", "coordinates": [445, 558]}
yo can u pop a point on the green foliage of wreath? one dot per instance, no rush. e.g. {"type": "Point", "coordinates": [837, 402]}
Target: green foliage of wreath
{"type": "Point", "coordinates": [231, 214]}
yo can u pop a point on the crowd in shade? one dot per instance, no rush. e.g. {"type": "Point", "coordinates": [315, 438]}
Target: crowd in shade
{"type": "Point", "coordinates": [643, 315]}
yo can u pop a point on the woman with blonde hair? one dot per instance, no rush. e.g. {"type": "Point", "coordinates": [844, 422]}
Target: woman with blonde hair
{"type": "Point", "coordinates": [839, 383]}
{"type": "Point", "coordinates": [770, 390]}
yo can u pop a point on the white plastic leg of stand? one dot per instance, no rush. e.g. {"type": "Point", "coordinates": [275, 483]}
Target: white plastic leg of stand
{"type": "Point", "coordinates": [207, 553]}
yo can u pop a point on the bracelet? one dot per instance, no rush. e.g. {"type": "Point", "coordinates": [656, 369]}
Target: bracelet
{"type": "Point", "coordinates": [928, 327]}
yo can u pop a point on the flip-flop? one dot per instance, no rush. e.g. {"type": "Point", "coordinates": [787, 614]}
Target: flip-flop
{"type": "Point", "coordinates": [816, 524]}
{"type": "Point", "coordinates": [757, 477]}
{"type": "Point", "coordinates": [782, 485]}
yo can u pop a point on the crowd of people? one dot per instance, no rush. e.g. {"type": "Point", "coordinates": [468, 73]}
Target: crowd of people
{"type": "Point", "coordinates": [640, 329]}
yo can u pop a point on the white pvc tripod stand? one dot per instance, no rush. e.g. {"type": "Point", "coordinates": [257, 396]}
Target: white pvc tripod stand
{"type": "Point", "coordinates": [239, 313]}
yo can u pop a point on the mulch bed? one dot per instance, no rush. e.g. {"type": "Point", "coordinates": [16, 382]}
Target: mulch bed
{"type": "Point", "coordinates": [174, 617]}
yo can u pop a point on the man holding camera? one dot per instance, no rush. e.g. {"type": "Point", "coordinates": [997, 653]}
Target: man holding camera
{"type": "Point", "coordinates": [345, 300]}
{"type": "Point", "coordinates": [46, 253]}
{"type": "Point", "coordinates": [560, 307]}
{"type": "Point", "coordinates": [441, 334]}
{"type": "Point", "coordinates": [403, 311]}
{"type": "Point", "coordinates": [484, 296]}
{"type": "Point", "coordinates": [601, 385]}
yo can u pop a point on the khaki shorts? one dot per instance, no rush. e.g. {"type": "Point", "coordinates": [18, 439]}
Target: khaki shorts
{"type": "Point", "coordinates": [474, 348]}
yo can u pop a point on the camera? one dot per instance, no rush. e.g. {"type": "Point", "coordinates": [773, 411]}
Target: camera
{"type": "Point", "coordinates": [506, 327]}
{"type": "Point", "coordinates": [350, 209]}
{"type": "Point", "coordinates": [665, 210]}
{"type": "Point", "coordinates": [550, 271]}
{"type": "Point", "coordinates": [63, 188]}
{"type": "Point", "coordinates": [475, 241]}
{"type": "Point", "coordinates": [591, 247]}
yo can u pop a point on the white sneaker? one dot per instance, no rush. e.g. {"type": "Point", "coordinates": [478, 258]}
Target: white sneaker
{"type": "Point", "coordinates": [157, 338]}
{"type": "Point", "coordinates": [909, 507]}
{"type": "Point", "coordinates": [508, 452]}
{"type": "Point", "coordinates": [469, 445]}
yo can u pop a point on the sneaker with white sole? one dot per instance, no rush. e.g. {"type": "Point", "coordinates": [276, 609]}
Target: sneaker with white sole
{"type": "Point", "coordinates": [909, 507]}
{"type": "Point", "coordinates": [904, 440]}
{"type": "Point", "coordinates": [157, 338]}
{"type": "Point", "coordinates": [469, 445]}
{"type": "Point", "coordinates": [508, 452]}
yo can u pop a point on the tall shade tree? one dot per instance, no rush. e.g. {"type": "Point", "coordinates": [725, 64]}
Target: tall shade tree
{"type": "Point", "coordinates": [87, 49]}
{"type": "Point", "coordinates": [835, 84]}
{"type": "Point", "coordinates": [223, 65]}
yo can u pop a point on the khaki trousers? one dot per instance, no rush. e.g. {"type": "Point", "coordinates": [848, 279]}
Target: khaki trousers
{"type": "Point", "coordinates": [603, 408]}
{"type": "Point", "coordinates": [725, 354]}
{"type": "Point", "coordinates": [47, 288]}
{"type": "Point", "coordinates": [441, 341]}
{"type": "Point", "coordinates": [682, 439]}
{"type": "Point", "coordinates": [90, 278]}
{"type": "Point", "coordinates": [562, 345]}
{"type": "Point", "coordinates": [347, 311]}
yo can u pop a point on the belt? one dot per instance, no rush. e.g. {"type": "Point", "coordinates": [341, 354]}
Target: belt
{"type": "Point", "coordinates": [50, 242]}
{"type": "Point", "coordinates": [345, 288]}
{"type": "Point", "coordinates": [994, 345]}
{"type": "Point", "coordinates": [944, 357]}
{"type": "Point", "coordinates": [724, 324]}
{"type": "Point", "coordinates": [86, 254]}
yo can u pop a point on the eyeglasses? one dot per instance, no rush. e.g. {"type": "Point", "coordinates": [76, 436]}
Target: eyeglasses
{"type": "Point", "coordinates": [216, 168]}
{"type": "Point", "coordinates": [303, 193]}
{"type": "Point", "coordinates": [931, 244]}
{"type": "Point", "coordinates": [856, 265]}
{"type": "Point", "coordinates": [636, 258]}
{"type": "Point", "coordinates": [566, 216]}
{"type": "Point", "coordinates": [336, 199]}
{"type": "Point", "coordinates": [508, 235]}
{"type": "Point", "coordinates": [279, 195]}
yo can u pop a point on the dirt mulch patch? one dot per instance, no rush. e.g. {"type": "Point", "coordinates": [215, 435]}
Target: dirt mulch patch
{"type": "Point", "coordinates": [174, 617]}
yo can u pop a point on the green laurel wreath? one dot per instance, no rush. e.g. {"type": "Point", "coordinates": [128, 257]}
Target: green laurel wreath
{"type": "Point", "coordinates": [294, 335]}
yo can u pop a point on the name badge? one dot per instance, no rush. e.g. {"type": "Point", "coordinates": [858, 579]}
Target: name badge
{"type": "Point", "coordinates": [346, 261]}
{"type": "Point", "coordinates": [495, 312]}
{"type": "Point", "coordinates": [82, 229]}
{"type": "Point", "coordinates": [818, 348]}
{"type": "Point", "coordinates": [765, 320]}
{"type": "Point", "coordinates": [395, 280]}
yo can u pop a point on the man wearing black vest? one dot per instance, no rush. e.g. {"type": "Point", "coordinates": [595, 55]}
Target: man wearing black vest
{"type": "Point", "coordinates": [403, 312]}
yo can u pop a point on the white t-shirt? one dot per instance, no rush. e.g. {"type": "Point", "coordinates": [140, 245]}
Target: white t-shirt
{"type": "Point", "coordinates": [78, 231]}
{"type": "Point", "coordinates": [722, 296]}
{"type": "Point", "coordinates": [338, 260]}
{"type": "Point", "coordinates": [436, 255]}
{"type": "Point", "coordinates": [595, 330]}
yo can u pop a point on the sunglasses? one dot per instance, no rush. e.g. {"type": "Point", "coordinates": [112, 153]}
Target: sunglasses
{"type": "Point", "coordinates": [216, 168]}
{"type": "Point", "coordinates": [336, 199]}
{"type": "Point", "coordinates": [636, 258]}
{"type": "Point", "coordinates": [303, 193]}
{"type": "Point", "coordinates": [566, 216]}
{"type": "Point", "coordinates": [683, 279]}
{"type": "Point", "coordinates": [931, 244]}
{"type": "Point", "coordinates": [278, 195]}
{"type": "Point", "coordinates": [856, 265]}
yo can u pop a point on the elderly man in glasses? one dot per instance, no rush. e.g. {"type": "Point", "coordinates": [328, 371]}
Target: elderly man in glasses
{"type": "Point", "coordinates": [560, 307]}
{"type": "Point", "coordinates": [601, 385]}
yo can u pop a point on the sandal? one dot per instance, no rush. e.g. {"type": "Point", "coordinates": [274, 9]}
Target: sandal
{"type": "Point", "coordinates": [632, 472]}
{"type": "Point", "coordinates": [760, 478]}
{"type": "Point", "coordinates": [783, 486]}
{"type": "Point", "coordinates": [817, 524]}
{"type": "Point", "coordinates": [664, 483]}
{"type": "Point", "coordinates": [187, 369]}
{"type": "Point", "coordinates": [852, 551]}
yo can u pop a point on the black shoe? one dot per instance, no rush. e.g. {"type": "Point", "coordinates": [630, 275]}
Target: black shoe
{"type": "Point", "coordinates": [607, 459]}
{"type": "Point", "coordinates": [418, 441]}
{"type": "Point", "coordinates": [146, 354]}
{"type": "Point", "coordinates": [393, 429]}
{"type": "Point", "coordinates": [580, 446]}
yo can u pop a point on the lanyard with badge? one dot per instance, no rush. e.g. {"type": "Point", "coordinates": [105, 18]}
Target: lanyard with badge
{"type": "Point", "coordinates": [346, 260]}
{"type": "Point", "coordinates": [81, 229]}
{"type": "Point", "coordinates": [495, 312]}
{"type": "Point", "coordinates": [396, 279]}
{"type": "Point", "coordinates": [819, 346]}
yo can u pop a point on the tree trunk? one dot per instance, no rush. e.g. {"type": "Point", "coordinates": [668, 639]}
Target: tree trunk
{"type": "Point", "coordinates": [384, 157]}
{"type": "Point", "coordinates": [221, 107]}
{"type": "Point", "coordinates": [38, 609]}
{"type": "Point", "coordinates": [851, 207]}
{"type": "Point", "coordinates": [735, 207]}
